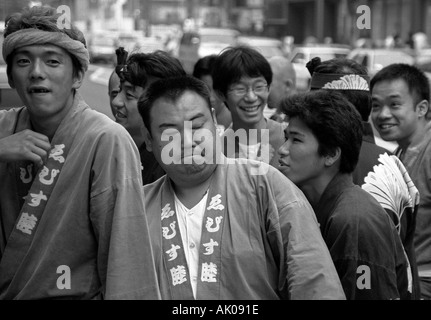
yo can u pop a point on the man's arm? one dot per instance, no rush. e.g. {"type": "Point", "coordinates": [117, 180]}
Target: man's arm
{"type": "Point", "coordinates": [117, 211]}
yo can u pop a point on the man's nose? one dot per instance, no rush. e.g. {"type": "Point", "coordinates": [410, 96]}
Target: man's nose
{"type": "Point", "coordinates": [118, 101]}
{"type": "Point", "coordinates": [284, 149]}
{"type": "Point", "coordinates": [384, 112]}
{"type": "Point", "coordinates": [37, 70]}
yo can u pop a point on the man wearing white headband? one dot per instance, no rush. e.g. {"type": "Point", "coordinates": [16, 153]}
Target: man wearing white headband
{"type": "Point", "coordinates": [72, 218]}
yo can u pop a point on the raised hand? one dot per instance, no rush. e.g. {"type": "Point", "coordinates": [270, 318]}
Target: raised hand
{"type": "Point", "coordinates": [25, 145]}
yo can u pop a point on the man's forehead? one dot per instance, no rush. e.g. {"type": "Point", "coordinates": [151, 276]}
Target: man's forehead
{"type": "Point", "coordinates": [45, 48]}
{"type": "Point", "coordinates": [249, 80]}
{"type": "Point", "coordinates": [127, 85]}
{"type": "Point", "coordinates": [392, 84]}
{"type": "Point", "coordinates": [188, 105]}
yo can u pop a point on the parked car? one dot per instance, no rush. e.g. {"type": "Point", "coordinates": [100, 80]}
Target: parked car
{"type": "Point", "coordinates": [8, 97]}
{"type": "Point", "coordinates": [302, 54]}
{"type": "Point", "coordinates": [377, 58]}
{"type": "Point", "coordinates": [149, 44]}
{"type": "Point", "coordinates": [202, 42]}
{"type": "Point", "coordinates": [101, 47]}
{"type": "Point", "coordinates": [268, 47]}
{"type": "Point", "coordinates": [423, 59]}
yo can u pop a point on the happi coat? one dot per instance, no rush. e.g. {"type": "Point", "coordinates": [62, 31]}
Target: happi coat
{"type": "Point", "coordinates": [363, 242]}
{"type": "Point", "coordinates": [417, 160]}
{"type": "Point", "coordinates": [75, 228]}
{"type": "Point", "coordinates": [260, 240]}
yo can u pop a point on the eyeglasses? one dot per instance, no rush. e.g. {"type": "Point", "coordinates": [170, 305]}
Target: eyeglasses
{"type": "Point", "coordinates": [242, 91]}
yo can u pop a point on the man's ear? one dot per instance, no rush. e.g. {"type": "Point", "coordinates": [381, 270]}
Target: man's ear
{"type": "Point", "coordinates": [423, 107]}
{"type": "Point", "coordinates": [331, 159]}
{"type": "Point", "coordinates": [77, 79]}
{"type": "Point", "coordinates": [147, 139]}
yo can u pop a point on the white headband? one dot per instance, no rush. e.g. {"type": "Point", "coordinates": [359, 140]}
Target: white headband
{"type": "Point", "coordinates": [31, 36]}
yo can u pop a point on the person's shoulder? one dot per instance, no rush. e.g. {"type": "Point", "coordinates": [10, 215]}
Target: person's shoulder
{"type": "Point", "coordinates": [100, 123]}
{"type": "Point", "coordinates": [275, 125]}
{"type": "Point", "coordinates": [152, 189]}
{"type": "Point", "coordinates": [374, 148]}
{"type": "Point", "coordinates": [358, 204]}
{"type": "Point", "coordinates": [258, 171]}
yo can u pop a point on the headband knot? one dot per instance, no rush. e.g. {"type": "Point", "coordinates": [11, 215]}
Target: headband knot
{"type": "Point", "coordinates": [31, 36]}
{"type": "Point", "coordinates": [121, 69]}
{"type": "Point", "coordinates": [334, 81]}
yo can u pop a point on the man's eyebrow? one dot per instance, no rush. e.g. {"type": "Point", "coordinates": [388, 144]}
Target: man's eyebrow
{"type": "Point", "coordinates": [295, 133]}
{"type": "Point", "coordinates": [197, 116]}
{"type": "Point", "coordinates": [395, 95]}
{"type": "Point", "coordinates": [166, 125]}
{"type": "Point", "coordinates": [48, 52]}
{"type": "Point", "coordinates": [128, 86]}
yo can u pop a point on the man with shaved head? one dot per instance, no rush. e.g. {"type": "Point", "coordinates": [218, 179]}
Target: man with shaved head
{"type": "Point", "coordinates": [283, 84]}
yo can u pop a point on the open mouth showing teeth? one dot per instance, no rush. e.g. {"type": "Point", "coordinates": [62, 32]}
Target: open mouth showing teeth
{"type": "Point", "coordinates": [120, 115]}
{"type": "Point", "coordinates": [386, 126]}
{"type": "Point", "coordinates": [250, 109]}
{"type": "Point", "coordinates": [39, 91]}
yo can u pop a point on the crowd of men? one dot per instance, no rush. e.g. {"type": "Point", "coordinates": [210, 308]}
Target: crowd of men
{"type": "Point", "coordinates": [224, 184]}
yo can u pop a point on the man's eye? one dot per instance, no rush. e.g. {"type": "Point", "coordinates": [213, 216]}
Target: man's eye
{"type": "Point", "coordinates": [22, 61]}
{"type": "Point", "coordinates": [239, 90]}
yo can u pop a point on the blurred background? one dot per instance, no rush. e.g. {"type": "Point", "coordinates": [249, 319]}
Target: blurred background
{"type": "Point", "coordinates": [190, 29]}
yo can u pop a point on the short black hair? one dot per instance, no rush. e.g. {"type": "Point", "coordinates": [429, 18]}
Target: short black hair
{"type": "Point", "coordinates": [334, 121]}
{"type": "Point", "coordinates": [235, 62]}
{"type": "Point", "coordinates": [170, 89]}
{"type": "Point", "coordinates": [416, 80]}
{"type": "Point", "coordinates": [158, 64]}
{"type": "Point", "coordinates": [204, 66]}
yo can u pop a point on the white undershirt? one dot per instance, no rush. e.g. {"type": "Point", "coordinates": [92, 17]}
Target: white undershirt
{"type": "Point", "coordinates": [190, 225]}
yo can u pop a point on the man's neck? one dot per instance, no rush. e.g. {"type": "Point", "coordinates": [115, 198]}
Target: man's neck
{"type": "Point", "coordinates": [49, 125]}
{"type": "Point", "coordinates": [415, 138]}
{"type": "Point", "coordinates": [313, 190]}
{"type": "Point", "coordinates": [191, 195]}
{"type": "Point", "coordinates": [247, 127]}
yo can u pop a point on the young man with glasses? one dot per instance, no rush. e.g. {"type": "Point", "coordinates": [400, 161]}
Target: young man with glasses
{"type": "Point", "coordinates": [242, 78]}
